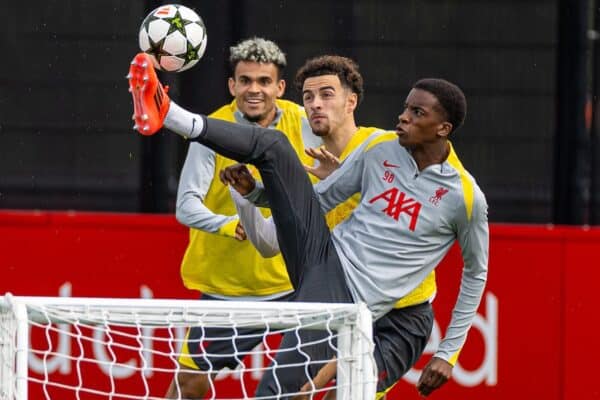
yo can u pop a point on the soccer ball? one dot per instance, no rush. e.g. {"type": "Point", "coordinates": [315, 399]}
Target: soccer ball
{"type": "Point", "coordinates": [174, 36]}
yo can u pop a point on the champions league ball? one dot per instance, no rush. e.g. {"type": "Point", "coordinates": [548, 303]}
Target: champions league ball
{"type": "Point", "coordinates": [174, 36]}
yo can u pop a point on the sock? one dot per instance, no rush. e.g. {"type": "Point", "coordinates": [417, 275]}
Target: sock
{"type": "Point", "coordinates": [183, 122]}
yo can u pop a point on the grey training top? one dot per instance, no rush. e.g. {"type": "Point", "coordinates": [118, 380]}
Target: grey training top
{"type": "Point", "coordinates": [403, 227]}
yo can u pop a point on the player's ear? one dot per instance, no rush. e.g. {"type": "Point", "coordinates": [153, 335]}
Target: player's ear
{"type": "Point", "coordinates": [444, 129]}
{"type": "Point", "coordinates": [231, 85]}
{"type": "Point", "coordinates": [351, 102]}
{"type": "Point", "coordinates": [280, 87]}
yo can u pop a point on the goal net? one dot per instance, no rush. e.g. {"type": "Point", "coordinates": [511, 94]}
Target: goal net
{"type": "Point", "coordinates": [102, 348]}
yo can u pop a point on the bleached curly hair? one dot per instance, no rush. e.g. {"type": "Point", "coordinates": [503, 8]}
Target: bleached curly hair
{"type": "Point", "coordinates": [258, 50]}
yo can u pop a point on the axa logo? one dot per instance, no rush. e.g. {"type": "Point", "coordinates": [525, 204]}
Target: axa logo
{"type": "Point", "coordinates": [439, 193]}
{"type": "Point", "coordinates": [399, 203]}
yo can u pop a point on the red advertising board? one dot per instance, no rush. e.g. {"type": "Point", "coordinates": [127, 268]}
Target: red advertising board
{"type": "Point", "coordinates": [533, 336]}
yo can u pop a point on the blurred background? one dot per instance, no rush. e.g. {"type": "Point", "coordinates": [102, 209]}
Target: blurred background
{"type": "Point", "coordinates": [529, 68]}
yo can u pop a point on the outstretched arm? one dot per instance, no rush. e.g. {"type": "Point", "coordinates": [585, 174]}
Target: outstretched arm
{"type": "Point", "coordinates": [473, 238]}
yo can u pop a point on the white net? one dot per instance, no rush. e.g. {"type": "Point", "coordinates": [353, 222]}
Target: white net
{"type": "Point", "coordinates": [90, 348]}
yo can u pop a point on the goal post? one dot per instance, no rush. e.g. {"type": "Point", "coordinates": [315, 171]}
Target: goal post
{"type": "Point", "coordinates": [127, 348]}
{"type": "Point", "coordinates": [14, 341]}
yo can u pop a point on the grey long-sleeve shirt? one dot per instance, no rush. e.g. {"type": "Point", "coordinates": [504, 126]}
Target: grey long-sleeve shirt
{"type": "Point", "coordinates": [405, 224]}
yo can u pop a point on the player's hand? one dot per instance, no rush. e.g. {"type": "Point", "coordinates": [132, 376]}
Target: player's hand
{"type": "Point", "coordinates": [434, 375]}
{"type": "Point", "coordinates": [239, 177]}
{"type": "Point", "coordinates": [324, 376]}
{"type": "Point", "coordinates": [240, 233]}
{"type": "Point", "coordinates": [327, 162]}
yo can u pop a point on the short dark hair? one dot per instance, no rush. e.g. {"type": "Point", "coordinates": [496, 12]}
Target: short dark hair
{"type": "Point", "coordinates": [258, 50]}
{"type": "Point", "coordinates": [345, 69]}
{"type": "Point", "coordinates": [451, 98]}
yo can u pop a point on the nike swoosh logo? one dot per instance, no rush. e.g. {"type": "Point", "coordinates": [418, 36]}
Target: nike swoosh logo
{"type": "Point", "coordinates": [387, 164]}
{"type": "Point", "coordinates": [193, 126]}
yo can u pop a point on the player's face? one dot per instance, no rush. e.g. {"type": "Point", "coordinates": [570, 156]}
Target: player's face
{"type": "Point", "coordinates": [329, 105]}
{"type": "Point", "coordinates": [422, 122]}
{"type": "Point", "coordinates": [255, 87]}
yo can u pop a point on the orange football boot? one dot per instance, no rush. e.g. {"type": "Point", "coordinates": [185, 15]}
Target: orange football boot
{"type": "Point", "coordinates": [150, 100]}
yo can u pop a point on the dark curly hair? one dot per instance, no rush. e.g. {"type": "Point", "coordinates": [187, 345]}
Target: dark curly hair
{"type": "Point", "coordinates": [451, 98]}
{"type": "Point", "coordinates": [345, 68]}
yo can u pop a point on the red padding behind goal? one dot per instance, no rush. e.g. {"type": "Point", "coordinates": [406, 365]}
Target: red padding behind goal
{"type": "Point", "coordinates": [534, 338]}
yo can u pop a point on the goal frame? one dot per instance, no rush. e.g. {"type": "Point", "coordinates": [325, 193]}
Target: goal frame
{"type": "Point", "coordinates": [355, 336]}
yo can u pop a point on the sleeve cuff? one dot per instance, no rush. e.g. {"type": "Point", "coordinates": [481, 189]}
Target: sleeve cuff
{"type": "Point", "coordinates": [257, 196]}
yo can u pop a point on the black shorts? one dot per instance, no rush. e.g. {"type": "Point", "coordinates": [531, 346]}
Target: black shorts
{"type": "Point", "coordinates": [212, 349]}
{"type": "Point", "coordinates": [400, 337]}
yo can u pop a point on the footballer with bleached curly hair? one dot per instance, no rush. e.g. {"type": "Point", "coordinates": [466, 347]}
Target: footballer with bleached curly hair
{"type": "Point", "coordinates": [218, 261]}
{"type": "Point", "coordinates": [257, 50]}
